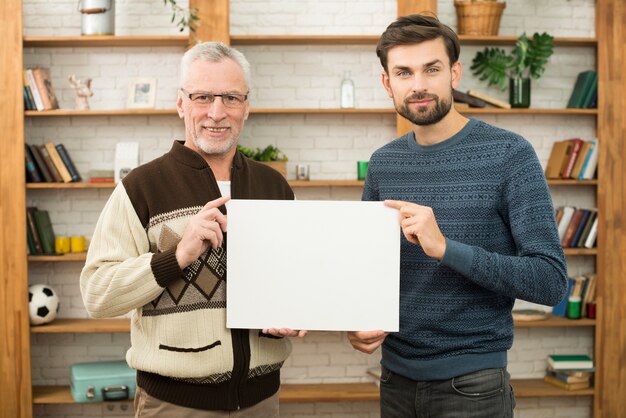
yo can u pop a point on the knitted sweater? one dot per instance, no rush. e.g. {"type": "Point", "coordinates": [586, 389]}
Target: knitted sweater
{"type": "Point", "coordinates": [181, 348]}
{"type": "Point", "coordinates": [491, 202]}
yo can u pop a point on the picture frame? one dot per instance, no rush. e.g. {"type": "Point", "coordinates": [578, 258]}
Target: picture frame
{"type": "Point", "coordinates": [141, 93]}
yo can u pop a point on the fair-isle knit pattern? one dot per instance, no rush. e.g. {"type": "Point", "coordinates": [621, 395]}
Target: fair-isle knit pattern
{"type": "Point", "coordinates": [491, 202]}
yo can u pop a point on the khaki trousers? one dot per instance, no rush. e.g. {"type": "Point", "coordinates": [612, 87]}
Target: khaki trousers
{"type": "Point", "coordinates": [147, 406]}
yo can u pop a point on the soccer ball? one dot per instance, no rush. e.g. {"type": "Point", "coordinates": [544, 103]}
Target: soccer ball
{"type": "Point", "coordinates": [43, 304]}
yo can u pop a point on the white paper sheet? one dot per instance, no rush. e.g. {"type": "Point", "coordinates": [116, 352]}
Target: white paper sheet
{"type": "Point", "coordinates": [313, 265]}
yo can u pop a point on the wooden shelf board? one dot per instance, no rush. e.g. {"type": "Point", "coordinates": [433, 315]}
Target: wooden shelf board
{"type": "Point", "coordinates": [79, 185]}
{"type": "Point", "coordinates": [580, 251]}
{"type": "Point", "coordinates": [59, 258]}
{"type": "Point", "coordinates": [530, 111]}
{"type": "Point", "coordinates": [102, 41]}
{"type": "Point", "coordinates": [331, 392]}
{"type": "Point", "coordinates": [104, 326]}
{"type": "Point", "coordinates": [283, 111]}
{"type": "Point", "coordinates": [327, 183]}
{"type": "Point", "coordinates": [570, 182]}
{"type": "Point", "coordinates": [537, 388]}
{"type": "Point", "coordinates": [304, 39]}
{"type": "Point", "coordinates": [510, 40]}
{"type": "Point", "coordinates": [183, 41]}
{"type": "Point", "coordinates": [348, 111]}
{"type": "Point", "coordinates": [83, 326]}
{"type": "Point", "coordinates": [93, 112]}
{"type": "Point", "coordinates": [556, 321]}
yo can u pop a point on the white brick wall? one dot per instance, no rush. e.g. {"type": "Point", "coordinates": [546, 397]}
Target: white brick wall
{"type": "Point", "coordinates": [283, 76]}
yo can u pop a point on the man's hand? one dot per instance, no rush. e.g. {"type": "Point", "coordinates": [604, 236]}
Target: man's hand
{"type": "Point", "coordinates": [285, 332]}
{"type": "Point", "coordinates": [367, 341]}
{"type": "Point", "coordinates": [204, 229]}
{"type": "Point", "coordinates": [419, 226]}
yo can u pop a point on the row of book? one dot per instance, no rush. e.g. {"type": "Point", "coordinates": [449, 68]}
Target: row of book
{"type": "Point", "coordinates": [38, 91]}
{"type": "Point", "coordinates": [583, 287]}
{"type": "Point", "coordinates": [570, 372]}
{"type": "Point", "coordinates": [585, 92]}
{"type": "Point", "coordinates": [49, 163]}
{"type": "Point", "coordinates": [573, 159]}
{"type": "Point", "coordinates": [39, 232]}
{"type": "Point", "coordinates": [578, 228]}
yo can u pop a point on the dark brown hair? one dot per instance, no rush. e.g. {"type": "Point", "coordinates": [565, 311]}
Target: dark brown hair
{"type": "Point", "coordinates": [414, 29]}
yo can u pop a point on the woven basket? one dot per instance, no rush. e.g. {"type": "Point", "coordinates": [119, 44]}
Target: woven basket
{"type": "Point", "coordinates": [477, 17]}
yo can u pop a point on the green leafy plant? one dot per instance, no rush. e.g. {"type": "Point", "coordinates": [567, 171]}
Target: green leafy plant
{"type": "Point", "coordinates": [183, 17]}
{"type": "Point", "coordinates": [528, 59]}
{"type": "Point", "coordinates": [269, 153]}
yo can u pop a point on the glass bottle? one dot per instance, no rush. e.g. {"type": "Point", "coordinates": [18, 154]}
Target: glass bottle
{"type": "Point", "coordinates": [347, 91]}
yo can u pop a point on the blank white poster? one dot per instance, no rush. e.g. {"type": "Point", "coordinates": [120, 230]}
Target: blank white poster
{"type": "Point", "coordinates": [312, 265]}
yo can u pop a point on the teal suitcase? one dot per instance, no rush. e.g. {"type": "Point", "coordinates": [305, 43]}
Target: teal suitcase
{"type": "Point", "coordinates": [102, 381]}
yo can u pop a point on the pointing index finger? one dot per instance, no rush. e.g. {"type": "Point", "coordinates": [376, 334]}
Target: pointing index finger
{"type": "Point", "coordinates": [216, 203]}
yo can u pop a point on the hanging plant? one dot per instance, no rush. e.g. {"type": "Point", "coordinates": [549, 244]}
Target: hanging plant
{"type": "Point", "coordinates": [184, 18]}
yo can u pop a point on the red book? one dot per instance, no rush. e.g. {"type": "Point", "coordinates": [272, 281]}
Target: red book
{"type": "Point", "coordinates": [575, 146]}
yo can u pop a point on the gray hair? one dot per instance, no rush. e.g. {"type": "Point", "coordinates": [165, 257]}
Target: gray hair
{"type": "Point", "coordinates": [213, 52]}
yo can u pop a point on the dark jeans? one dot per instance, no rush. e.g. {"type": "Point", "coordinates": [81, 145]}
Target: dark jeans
{"type": "Point", "coordinates": [482, 394]}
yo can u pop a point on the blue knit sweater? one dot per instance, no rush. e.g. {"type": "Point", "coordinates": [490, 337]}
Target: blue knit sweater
{"type": "Point", "coordinates": [491, 202]}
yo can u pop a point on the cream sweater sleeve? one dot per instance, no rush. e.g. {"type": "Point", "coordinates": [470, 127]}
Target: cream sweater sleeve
{"type": "Point", "coordinates": [117, 276]}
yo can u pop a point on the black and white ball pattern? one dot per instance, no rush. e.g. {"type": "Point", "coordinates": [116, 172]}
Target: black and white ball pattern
{"type": "Point", "coordinates": [43, 304]}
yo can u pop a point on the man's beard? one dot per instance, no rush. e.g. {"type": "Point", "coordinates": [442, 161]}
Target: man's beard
{"type": "Point", "coordinates": [424, 116]}
{"type": "Point", "coordinates": [214, 148]}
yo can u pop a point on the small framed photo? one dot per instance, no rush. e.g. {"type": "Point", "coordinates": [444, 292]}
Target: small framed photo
{"type": "Point", "coordinates": [141, 93]}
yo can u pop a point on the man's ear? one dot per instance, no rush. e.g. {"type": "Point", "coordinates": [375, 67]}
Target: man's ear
{"type": "Point", "coordinates": [179, 104]}
{"type": "Point", "coordinates": [456, 71]}
{"type": "Point", "coordinates": [386, 85]}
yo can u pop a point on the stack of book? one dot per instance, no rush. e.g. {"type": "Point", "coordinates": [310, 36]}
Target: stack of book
{"type": "Point", "coordinates": [39, 232]}
{"type": "Point", "coordinates": [583, 286]}
{"type": "Point", "coordinates": [38, 91]}
{"type": "Point", "coordinates": [475, 98]}
{"type": "Point", "coordinates": [570, 372]}
{"type": "Point", "coordinates": [573, 159]}
{"type": "Point", "coordinates": [578, 227]}
{"type": "Point", "coordinates": [49, 163]}
{"type": "Point", "coordinates": [585, 92]}
{"type": "Point", "coordinates": [101, 175]}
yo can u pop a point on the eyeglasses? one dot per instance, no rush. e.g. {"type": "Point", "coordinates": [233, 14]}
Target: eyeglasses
{"type": "Point", "coordinates": [230, 100]}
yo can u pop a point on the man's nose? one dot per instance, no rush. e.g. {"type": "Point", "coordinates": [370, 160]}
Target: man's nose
{"type": "Point", "coordinates": [217, 110]}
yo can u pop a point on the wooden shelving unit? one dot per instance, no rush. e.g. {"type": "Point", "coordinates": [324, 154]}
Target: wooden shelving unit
{"type": "Point", "coordinates": [334, 392]}
{"type": "Point", "coordinates": [17, 394]}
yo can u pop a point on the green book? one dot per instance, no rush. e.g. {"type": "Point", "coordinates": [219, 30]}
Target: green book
{"type": "Point", "coordinates": [583, 84]}
{"type": "Point", "coordinates": [44, 228]}
{"type": "Point", "coordinates": [590, 92]}
{"type": "Point", "coordinates": [570, 362]}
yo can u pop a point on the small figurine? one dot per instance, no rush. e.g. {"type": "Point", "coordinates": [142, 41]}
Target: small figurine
{"type": "Point", "coordinates": [82, 90]}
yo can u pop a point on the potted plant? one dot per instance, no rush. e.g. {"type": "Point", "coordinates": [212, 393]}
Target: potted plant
{"type": "Point", "coordinates": [270, 156]}
{"type": "Point", "coordinates": [528, 59]}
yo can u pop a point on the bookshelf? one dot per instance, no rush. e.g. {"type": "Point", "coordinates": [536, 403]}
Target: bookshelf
{"type": "Point", "coordinates": [17, 395]}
